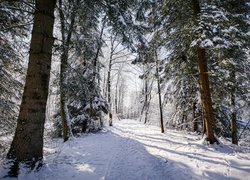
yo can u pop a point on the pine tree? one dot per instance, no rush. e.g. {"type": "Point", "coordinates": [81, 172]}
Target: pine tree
{"type": "Point", "coordinates": [206, 99]}
{"type": "Point", "coordinates": [195, 30]}
{"type": "Point", "coordinates": [66, 33]}
{"type": "Point", "coordinates": [15, 27]}
{"type": "Point", "coordinates": [27, 145]}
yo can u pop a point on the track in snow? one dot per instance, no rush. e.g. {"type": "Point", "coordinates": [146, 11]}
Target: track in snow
{"type": "Point", "coordinates": [132, 151]}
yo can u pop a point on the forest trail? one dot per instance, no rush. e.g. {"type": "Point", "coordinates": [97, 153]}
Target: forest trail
{"type": "Point", "coordinates": [131, 150]}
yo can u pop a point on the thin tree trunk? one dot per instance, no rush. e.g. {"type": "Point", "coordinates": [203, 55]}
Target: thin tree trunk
{"type": "Point", "coordinates": [27, 145]}
{"type": "Point", "coordinates": [195, 123]}
{"type": "Point", "coordinates": [184, 121]}
{"type": "Point", "coordinates": [95, 61]}
{"type": "Point", "coordinates": [147, 108]}
{"type": "Point", "coordinates": [234, 114]}
{"type": "Point", "coordinates": [148, 102]}
{"type": "Point", "coordinates": [234, 128]}
{"type": "Point", "coordinates": [145, 101]}
{"type": "Point", "coordinates": [144, 92]}
{"type": "Point", "coordinates": [206, 100]}
{"type": "Point", "coordinates": [109, 78]}
{"type": "Point", "coordinates": [64, 65]}
{"type": "Point", "coordinates": [109, 90]}
{"type": "Point", "coordinates": [159, 92]}
{"type": "Point", "coordinates": [116, 93]}
{"type": "Point", "coordinates": [104, 87]}
{"type": "Point", "coordinates": [121, 97]}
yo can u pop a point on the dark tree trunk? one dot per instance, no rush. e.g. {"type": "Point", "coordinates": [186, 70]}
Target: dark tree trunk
{"type": "Point", "coordinates": [148, 102]}
{"type": "Point", "coordinates": [27, 145]}
{"type": "Point", "coordinates": [109, 93]}
{"type": "Point", "coordinates": [234, 114]}
{"type": "Point", "coordinates": [145, 102]}
{"type": "Point", "coordinates": [110, 119]}
{"type": "Point", "coordinates": [98, 51]}
{"type": "Point", "coordinates": [195, 123]}
{"type": "Point", "coordinates": [159, 92]}
{"type": "Point", "coordinates": [234, 128]}
{"type": "Point", "coordinates": [84, 126]}
{"type": "Point", "coordinates": [206, 100]}
{"type": "Point", "coordinates": [184, 121]}
{"type": "Point", "coordinates": [101, 122]}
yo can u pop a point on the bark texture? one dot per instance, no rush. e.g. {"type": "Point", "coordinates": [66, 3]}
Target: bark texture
{"type": "Point", "coordinates": [27, 145]}
{"type": "Point", "coordinates": [206, 100]}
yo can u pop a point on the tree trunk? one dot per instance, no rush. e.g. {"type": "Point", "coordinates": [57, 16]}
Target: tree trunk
{"type": "Point", "coordinates": [145, 101]}
{"type": "Point", "coordinates": [159, 92]}
{"type": "Point", "coordinates": [66, 39]}
{"type": "Point", "coordinates": [234, 114]}
{"type": "Point", "coordinates": [84, 126]}
{"type": "Point", "coordinates": [184, 121]}
{"type": "Point", "coordinates": [110, 119]}
{"type": "Point", "coordinates": [109, 79]}
{"type": "Point", "coordinates": [98, 51]}
{"type": "Point", "coordinates": [206, 100]}
{"type": "Point", "coordinates": [116, 93]}
{"type": "Point", "coordinates": [63, 104]}
{"type": "Point", "coordinates": [195, 123]}
{"type": "Point", "coordinates": [66, 126]}
{"type": "Point", "coordinates": [121, 97]}
{"type": "Point", "coordinates": [109, 91]}
{"type": "Point", "coordinates": [27, 145]}
{"type": "Point", "coordinates": [234, 128]}
{"type": "Point", "coordinates": [147, 106]}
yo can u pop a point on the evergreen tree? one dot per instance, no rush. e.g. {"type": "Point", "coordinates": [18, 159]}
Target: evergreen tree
{"type": "Point", "coordinates": [15, 26]}
{"type": "Point", "coordinates": [79, 21]}
{"type": "Point", "coordinates": [27, 145]}
{"type": "Point", "coordinates": [196, 29]}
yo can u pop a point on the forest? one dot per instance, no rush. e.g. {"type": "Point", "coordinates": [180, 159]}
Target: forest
{"type": "Point", "coordinates": [124, 89]}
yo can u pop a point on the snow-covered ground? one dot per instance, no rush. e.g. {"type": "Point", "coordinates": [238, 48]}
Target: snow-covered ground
{"type": "Point", "coordinates": [133, 151]}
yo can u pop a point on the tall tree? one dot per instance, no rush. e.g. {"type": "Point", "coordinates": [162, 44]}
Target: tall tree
{"type": "Point", "coordinates": [110, 63]}
{"type": "Point", "coordinates": [188, 28]}
{"type": "Point", "coordinates": [27, 145]}
{"type": "Point", "coordinates": [66, 33]}
{"type": "Point", "coordinates": [206, 99]}
{"type": "Point", "coordinates": [148, 82]}
{"type": "Point", "coordinates": [159, 89]}
{"type": "Point", "coordinates": [81, 45]}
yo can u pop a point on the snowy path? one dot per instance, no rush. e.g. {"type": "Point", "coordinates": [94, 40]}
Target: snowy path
{"type": "Point", "coordinates": [133, 151]}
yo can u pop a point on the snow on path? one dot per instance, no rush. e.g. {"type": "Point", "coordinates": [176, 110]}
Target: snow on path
{"type": "Point", "coordinates": [133, 151]}
{"type": "Point", "coordinates": [185, 155]}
